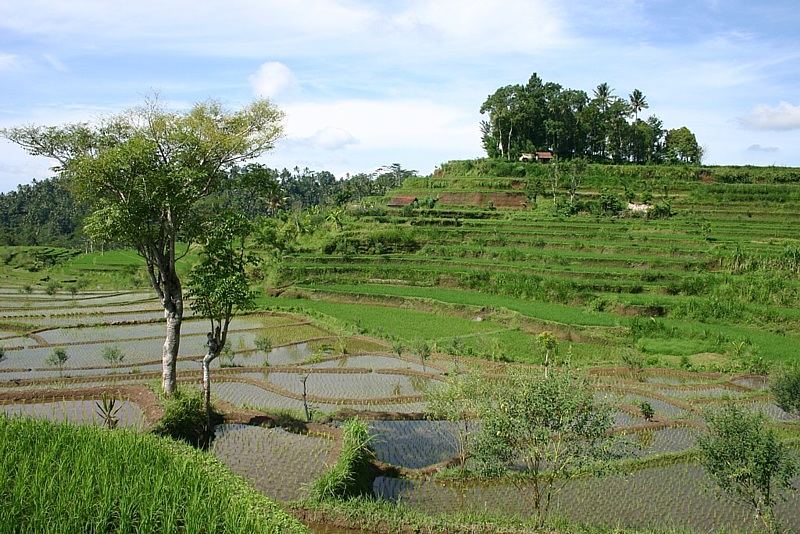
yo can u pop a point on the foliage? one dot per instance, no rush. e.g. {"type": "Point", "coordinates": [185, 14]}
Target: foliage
{"type": "Point", "coordinates": [549, 346]}
{"type": "Point", "coordinates": [184, 418]}
{"type": "Point", "coordinates": [146, 172]}
{"type": "Point", "coordinates": [681, 146]}
{"type": "Point", "coordinates": [122, 482]}
{"type": "Point", "coordinates": [57, 358]}
{"type": "Point", "coordinates": [52, 287]}
{"type": "Point", "coordinates": [747, 460]}
{"type": "Point", "coordinates": [603, 128]}
{"type": "Point", "coordinates": [785, 388]}
{"type": "Point", "coordinates": [647, 410]}
{"type": "Point", "coordinates": [458, 401]}
{"type": "Point", "coordinates": [107, 409]}
{"type": "Point", "coordinates": [351, 476]}
{"type": "Point", "coordinates": [42, 212]}
{"type": "Point", "coordinates": [263, 343]}
{"type": "Point", "coordinates": [422, 348]}
{"type": "Point", "coordinates": [551, 424]}
{"type": "Point", "coordinates": [113, 354]}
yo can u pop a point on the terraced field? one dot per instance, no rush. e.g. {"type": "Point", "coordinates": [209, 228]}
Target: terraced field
{"type": "Point", "coordinates": [684, 313]}
{"type": "Point", "coordinates": [719, 277]}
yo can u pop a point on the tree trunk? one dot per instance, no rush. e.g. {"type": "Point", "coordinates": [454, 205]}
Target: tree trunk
{"type": "Point", "coordinates": [207, 359]}
{"type": "Point", "coordinates": [169, 355]}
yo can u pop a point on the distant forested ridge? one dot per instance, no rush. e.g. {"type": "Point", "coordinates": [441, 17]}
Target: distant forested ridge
{"type": "Point", "coordinates": [45, 212]}
{"type": "Point", "coordinates": [602, 128]}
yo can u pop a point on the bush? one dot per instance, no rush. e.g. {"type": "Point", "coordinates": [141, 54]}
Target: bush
{"type": "Point", "coordinates": [352, 474]}
{"type": "Point", "coordinates": [113, 354]}
{"type": "Point", "coordinates": [786, 390]}
{"type": "Point", "coordinates": [185, 419]}
{"type": "Point", "coordinates": [647, 410]}
{"type": "Point", "coordinates": [747, 460]}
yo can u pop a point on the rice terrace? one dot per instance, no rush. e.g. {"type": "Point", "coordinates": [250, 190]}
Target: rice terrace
{"type": "Point", "coordinates": [591, 327]}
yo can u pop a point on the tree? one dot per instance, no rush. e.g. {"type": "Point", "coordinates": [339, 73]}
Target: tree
{"type": "Point", "coordinates": [549, 344]}
{"type": "Point", "coordinates": [423, 350]}
{"type": "Point", "coordinates": [638, 103]}
{"type": "Point", "coordinates": [264, 343]}
{"type": "Point", "coordinates": [113, 354]}
{"type": "Point", "coordinates": [219, 287]}
{"type": "Point", "coordinates": [681, 146]}
{"type": "Point", "coordinates": [58, 358]}
{"type": "Point", "coordinates": [747, 460]}
{"type": "Point", "coordinates": [551, 424]}
{"type": "Point", "coordinates": [577, 168]}
{"type": "Point", "coordinates": [604, 95]}
{"type": "Point", "coordinates": [786, 390]}
{"type": "Point", "coordinates": [146, 172]}
{"type": "Point", "coordinates": [458, 402]}
{"type": "Point", "coordinates": [398, 347]}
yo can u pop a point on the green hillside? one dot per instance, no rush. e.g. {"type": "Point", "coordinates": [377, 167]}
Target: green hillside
{"type": "Point", "coordinates": [713, 274]}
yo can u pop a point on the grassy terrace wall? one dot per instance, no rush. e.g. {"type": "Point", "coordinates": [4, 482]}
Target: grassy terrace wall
{"type": "Point", "coordinates": [59, 478]}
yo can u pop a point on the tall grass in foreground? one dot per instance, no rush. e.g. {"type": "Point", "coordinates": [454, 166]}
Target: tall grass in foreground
{"type": "Point", "coordinates": [65, 479]}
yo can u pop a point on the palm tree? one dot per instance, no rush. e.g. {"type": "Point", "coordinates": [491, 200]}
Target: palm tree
{"type": "Point", "coordinates": [638, 102]}
{"type": "Point", "coordinates": [603, 95]}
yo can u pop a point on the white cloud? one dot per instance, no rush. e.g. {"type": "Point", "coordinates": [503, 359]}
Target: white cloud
{"type": "Point", "coordinates": [784, 116]}
{"type": "Point", "coordinates": [271, 78]}
{"type": "Point", "coordinates": [328, 139]}
{"type": "Point", "coordinates": [386, 123]}
{"type": "Point", "coordinates": [761, 148]}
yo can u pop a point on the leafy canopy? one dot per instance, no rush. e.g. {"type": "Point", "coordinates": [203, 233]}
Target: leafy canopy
{"type": "Point", "coordinates": [219, 285]}
{"type": "Point", "coordinates": [747, 460]}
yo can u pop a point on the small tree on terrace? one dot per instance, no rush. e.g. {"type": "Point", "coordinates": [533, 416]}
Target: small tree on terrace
{"type": "Point", "coordinates": [549, 344]}
{"type": "Point", "coordinates": [786, 389]}
{"type": "Point", "coordinates": [423, 349]}
{"type": "Point", "coordinates": [458, 402]}
{"type": "Point", "coordinates": [551, 424]}
{"type": "Point", "coordinates": [58, 358]}
{"type": "Point", "coordinates": [219, 287]}
{"type": "Point", "coordinates": [748, 461]}
{"type": "Point", "coordinates": [146, 172]}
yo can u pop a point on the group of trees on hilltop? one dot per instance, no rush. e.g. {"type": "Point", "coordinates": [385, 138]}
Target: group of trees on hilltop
{"type": "Point", "coordinates": [601, 128]}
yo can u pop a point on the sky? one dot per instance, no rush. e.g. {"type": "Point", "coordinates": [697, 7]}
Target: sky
{"type": "Point", "coordinates": [369, 83]}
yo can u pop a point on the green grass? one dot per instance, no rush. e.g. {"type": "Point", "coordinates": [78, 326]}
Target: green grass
{"type": "Point", "coordinates": [545, 311]}
{"type": "Point", "coordinates": [65, 479]}
{"type": "Point", "coordinates": [407, 324]}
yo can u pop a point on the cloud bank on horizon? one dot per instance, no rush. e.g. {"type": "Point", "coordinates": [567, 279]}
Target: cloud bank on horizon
{"type": "Point", "coordinates": [365, 83]}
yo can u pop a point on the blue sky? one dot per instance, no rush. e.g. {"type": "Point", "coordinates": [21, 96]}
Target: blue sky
{"type": "Point", "coordinates": [366, 84]}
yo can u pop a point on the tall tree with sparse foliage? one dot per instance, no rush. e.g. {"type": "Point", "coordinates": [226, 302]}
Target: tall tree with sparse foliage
{"type": "Point", "coordinates": [146, 173]}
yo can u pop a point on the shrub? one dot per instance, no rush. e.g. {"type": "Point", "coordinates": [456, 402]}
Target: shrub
{"type": "Point", "coordinates": [185, 419]}
{"type": "Point", "coordinates": [113, 354]}
{"type": "Point", "coordinates": [647, 410]}
{"type": "Point", "coordinates": [52, 287]}
{"type": "Point", "coordinates": [747, 460]}
{"type": "Point", "coordinates": [263, 343]}
{"type": "Point", "coordinates": [786, 389]}
{"type": "Point", "coordinates": [352, 474]}
{"type": "Point", "coordinates": [58, 358]}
